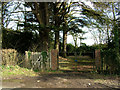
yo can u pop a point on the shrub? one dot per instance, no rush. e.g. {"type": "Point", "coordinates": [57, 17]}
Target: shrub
{"type": "Point", "coordinates": [70, 49]}
{"type": "Point", "coordinates": [110, 60]}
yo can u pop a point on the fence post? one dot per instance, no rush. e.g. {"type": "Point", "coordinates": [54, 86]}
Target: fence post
{"type": "Point", "coordinates": [97, 59]}
{"type": "Point", "coordinates": [15, 54]}
{"type": "Point", "coordinates": [54, 59]}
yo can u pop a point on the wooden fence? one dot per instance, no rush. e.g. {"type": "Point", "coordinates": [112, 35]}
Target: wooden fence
{"type": "Point", "coordinates": [31, 60]}
{"type": "Point", "coordinates": [9, 57]}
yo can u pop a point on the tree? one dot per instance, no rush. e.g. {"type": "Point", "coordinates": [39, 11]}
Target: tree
{"type": "Point", "coordinates": [112, 33]}
{"type": "Point", "coordinates": [70, 49]}
{"type": "Point", "coordinates": [21, 41]}
{"type": "Point", "coordinates": [41, 12]}
{"type": "Point", "coordinates": [57, 8]}
{"type": "Point", "coordinates": [70, 22]}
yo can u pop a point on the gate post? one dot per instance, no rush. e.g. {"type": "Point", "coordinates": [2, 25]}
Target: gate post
{"type": "Point", "coordinates": [97, 59]}
{"type": "Point", "coordinates": [54, 59]}
{"type": "Point", "coordinates": [26, 59]}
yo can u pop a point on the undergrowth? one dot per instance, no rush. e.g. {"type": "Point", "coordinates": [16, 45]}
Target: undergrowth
{"type": "Point", "coordinates": [16, 70]}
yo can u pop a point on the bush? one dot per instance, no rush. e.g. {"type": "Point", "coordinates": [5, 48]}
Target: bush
{"type": "Point", "coordinates": [16, 70]}
{"type": "Point", "coordinates": [85, 50]}
{"type": "Point", "coordinates": [70, 49]}
{"type": "Point", "coordinates": [110, 60]}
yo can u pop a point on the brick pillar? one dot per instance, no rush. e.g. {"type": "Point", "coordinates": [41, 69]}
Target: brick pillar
{"type": "Point", "coordinates": [54, 59]}
{"type": "Point", "coordinates": [97, 59]}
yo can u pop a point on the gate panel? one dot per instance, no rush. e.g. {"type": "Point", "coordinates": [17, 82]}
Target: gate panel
{"type": "Point", "coordinates": [77, 62]}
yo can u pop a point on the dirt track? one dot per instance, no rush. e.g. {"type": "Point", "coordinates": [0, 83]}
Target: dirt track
{"type": "Point", "coordinates": [63, 80]}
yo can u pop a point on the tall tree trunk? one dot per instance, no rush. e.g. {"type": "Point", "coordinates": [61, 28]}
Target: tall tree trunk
{"type": "Point", "coordinates": [40, 11]}
{"type": "Point", "coordinates": [116, 33]}
{"type": "Point", "coordinates": [43, 41]}
{"type": "Point", "coordinates": [57, 24]}
{"type": "Point", "coordinates": [64, 43]}
{"type": "Point", "coordinates": [116, 38]}
{"type": "Point", "coordinates": [56, 40]}
{"type": "Point", "coordinates": [56, 32]}
{"type": "Point", "coordinates": [108, 37]}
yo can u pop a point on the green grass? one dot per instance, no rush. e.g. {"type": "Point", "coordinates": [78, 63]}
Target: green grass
{"type": "Point", "coordinates": [64, 62]}
{"type": "Point", "coordinates": [9, 71]}
{"type": "Point", "coordinates": [80, 58]}
{"type": "Point", "coordinates": [54, 71]}
{"type": "Point", "coordinates": [64, 68]}
{"type": "Point", "coordinates": [16, 70]}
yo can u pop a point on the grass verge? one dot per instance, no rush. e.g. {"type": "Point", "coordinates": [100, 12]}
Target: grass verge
{"type": "Point", "coordinates": [16, 70]}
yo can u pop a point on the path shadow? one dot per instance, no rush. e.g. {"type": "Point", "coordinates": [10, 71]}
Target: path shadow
{"type": "Point", "coordinates": [75, 75]}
